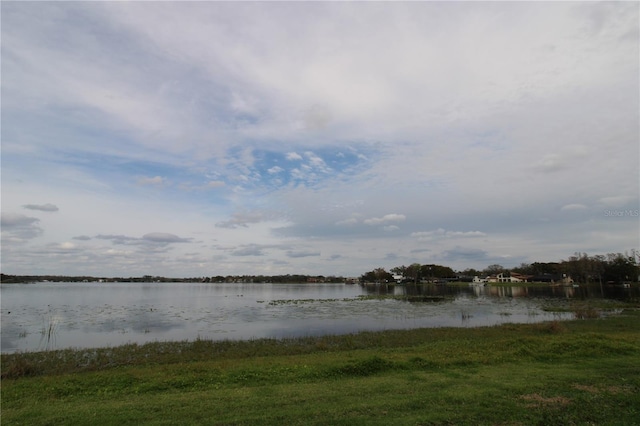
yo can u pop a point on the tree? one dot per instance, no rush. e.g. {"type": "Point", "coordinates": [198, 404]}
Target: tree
{"type": "Point", "coordinates": [620, 268]}
{"type": "Point", "coordinates": [583, 268]}
{"type": "Point", "coordinates": [378, 275]}
{"type": "Point", "coordinates": [400, 270]}
{"type": "Point", "coordinates": [432, 271]}
{"type": "Point", "coordinates": [494, 269]}
{"type": "Point", "coordinates": [470, 272]}
{"type": "Point", "coordinates": [524, 268]}
{"type": "Point", "coordinates": [413, 272]}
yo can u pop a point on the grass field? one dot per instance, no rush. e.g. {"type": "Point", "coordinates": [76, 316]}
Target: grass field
{"type": "Point", "coordinates": [576, 372]}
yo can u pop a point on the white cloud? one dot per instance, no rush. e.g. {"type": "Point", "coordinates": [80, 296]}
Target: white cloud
{"type": "Point", "coordinates": [575, 206]}
{"type": "Point", "coordinates": [316, 162]}
{"type": "Point", "coordinates": [392, 217]}
{"type": "Point", "coordinates": [293, 156]}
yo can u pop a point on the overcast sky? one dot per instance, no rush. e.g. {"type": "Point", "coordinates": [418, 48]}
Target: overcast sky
{"type": "Point", "coordinates": [199, 139]}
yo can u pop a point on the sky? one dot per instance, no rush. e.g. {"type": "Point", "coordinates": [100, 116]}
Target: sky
{"type": "Point", "coordinates": [326, 138]}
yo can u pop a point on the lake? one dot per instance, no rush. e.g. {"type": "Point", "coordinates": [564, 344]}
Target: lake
{"type": "Point", "coordinates": [46, 315]}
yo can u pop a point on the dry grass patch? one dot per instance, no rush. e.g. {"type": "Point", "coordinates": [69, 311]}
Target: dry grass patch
{"type": "Point", "coordinates": [586, 388]}
{"type": "Point", "coordinates": [536, 400]}
{"type": "Point", "coordinates": [614, 390]}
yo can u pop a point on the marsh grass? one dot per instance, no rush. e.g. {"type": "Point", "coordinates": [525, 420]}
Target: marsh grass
{"type": "Point", "coordinates": [48, 332]}
{"type": "Point", "coordinates": [560, 372]}
{"type": "Point", "coordinates": [586, 312]}
{"type": "Point", "coordinates": [405, 298]}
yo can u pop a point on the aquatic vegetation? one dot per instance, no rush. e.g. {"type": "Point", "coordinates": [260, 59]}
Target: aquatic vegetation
{"type": "Point", "coordinates": [406, 298]}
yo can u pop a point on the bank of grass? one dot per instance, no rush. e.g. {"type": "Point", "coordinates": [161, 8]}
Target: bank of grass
{"type": "Point", "coordinates": [573, 372]}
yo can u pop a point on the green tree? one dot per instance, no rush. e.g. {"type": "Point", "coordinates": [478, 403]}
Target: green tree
{"type": "Point", "coordinates": [378, 275]}
{"type": "Point", "coordinates": [620, 268]}
{"type": "Point", "coordinates": [414, 272]}
{"type": "Point", "coordinates": [432, 271]}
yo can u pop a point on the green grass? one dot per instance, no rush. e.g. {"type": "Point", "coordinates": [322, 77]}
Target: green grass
{"type": "Point", "coordinates": [574, 372]}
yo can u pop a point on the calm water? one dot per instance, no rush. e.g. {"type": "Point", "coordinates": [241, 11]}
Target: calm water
{"type": "Point", "coordinates": [61, 315]}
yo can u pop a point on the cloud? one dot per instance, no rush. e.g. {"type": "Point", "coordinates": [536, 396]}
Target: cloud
{"type": "Point", "coordinates": [18, 227]}
{"type": "Point", "coordinates": [293, 156]}
{"type": "Point", "coordinates": [241, 220]}
{"type": "Point", "coordinates": [250, 250]}
{"type": "Point", "coordinates": [392, 257]}
{"type": "Point", "coordinates": [41, 207]}
{"type": "Point", "coordinates": [570, 207]}
{"type": "Point", "coordinates": [347, 222]}
{"type": "Point", "coordinates": [332, 118]}
{"type": "Point", "coordinates": [388, 218]}
{"type": "Point", "coordinates": [552, 163]}
{"type": "Point", "coordinates": [214, 184]}
{"type": "Point", "coordinates": [316, 162]}
{"type": "Point", "coordinates": [15, 220]}
{"type": "Point", "coordinates": [297, 254]}
{"type": "Point", "coordinates": [154, 181]}
{"type": "Point", "coordinates": [466, 254]}
{"type": "Point", "coordinates": [117, 239]}
{"type": "Point", "coordinates": [317, 117]}
{"type": "Point", "coordinates": [158, 238]}
{"type": "Point", "coordinates": [164, 238]}
{"type": "Point", "coordinates": [618, 200]}
{"type": "Point", "coordinates": [444, 234]}
{"type": "Point", "coordinates": [82, 238]}
{"type": "Point", "coordinates": [420, 250]}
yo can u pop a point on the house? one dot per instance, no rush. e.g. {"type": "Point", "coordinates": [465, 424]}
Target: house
{"type": "Point", "coordinates": [520, 278]}
{"type": "Point", "coordinates": [512, 277]}
{"type": "Point", "coordinates": [493, 278]}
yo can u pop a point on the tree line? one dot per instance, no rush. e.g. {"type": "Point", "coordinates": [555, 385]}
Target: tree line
{"type": "Point", "coordinates": [582, 268]}
{"type": "Point", "coordinates": [288, 278]}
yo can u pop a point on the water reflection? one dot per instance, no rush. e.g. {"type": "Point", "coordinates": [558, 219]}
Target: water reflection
{"type": "Point", "coordinates": [558, 291]}
{"type": "Point", "coordinates": [60, 315]}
